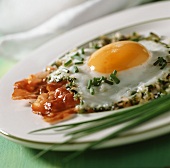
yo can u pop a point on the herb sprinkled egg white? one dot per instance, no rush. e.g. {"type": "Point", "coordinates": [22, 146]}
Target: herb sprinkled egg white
{"type": "Point", "coordinates": [133, 62]}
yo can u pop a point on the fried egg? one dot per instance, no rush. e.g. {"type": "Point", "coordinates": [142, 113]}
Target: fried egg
{"type": "Point", "coordinates": [133, 62]}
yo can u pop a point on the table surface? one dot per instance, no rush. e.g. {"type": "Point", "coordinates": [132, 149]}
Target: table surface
{"type": "Point", "coordinates": [153, 153]}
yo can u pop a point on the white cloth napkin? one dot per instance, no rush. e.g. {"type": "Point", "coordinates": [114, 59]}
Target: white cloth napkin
{"type": "Point", "coordinates": [26, 25]}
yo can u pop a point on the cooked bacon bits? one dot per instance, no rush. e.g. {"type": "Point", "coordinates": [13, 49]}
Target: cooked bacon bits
{"type": "Point", "coordinates": [53, 101]}
{"type": "Point", "coordinates": [31, 87]}
{"type": "Point", "coordinates": [55, 105]}
{"type": "Point", "coordinates": [64, 115]}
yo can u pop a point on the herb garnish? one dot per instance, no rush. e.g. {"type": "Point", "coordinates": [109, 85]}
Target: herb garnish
{"type": "Point", "coordinates": [92, 91]}
{"type": "Point", "coordinates": [68, 63]}
{"type": "Point", "coordinates": [90, 83]}
{"type": "Point", "coordinates": [78, 63]}
{"type": "Point", "coordinates": [98, 81]}
{"type": "Point", "coordinates": [161, 62]}
{"type": "Point", "coordinates": [127, 118]}
{"type": "Point", "coordinates": [82, 51]}
{"type": "Point", "coordinates": [75, 69]}
{"type": "Point", "coordinates": [108, 81]}
{"type": "Point", "coordinates": [114, 78]}
{"type": "Point", "coordinates": [77, 58]}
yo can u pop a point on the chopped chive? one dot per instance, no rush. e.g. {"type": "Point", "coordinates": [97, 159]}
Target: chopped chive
{"type": "Point", "coordinates": [156, 63]}
{"type": "Point", "coordinates": [82, 51]}
{"type": "Point", "coordinates": [163, 66]}
{"type": "Point", "coordinates": [75, 70]}
{"type": "Point", "coordinates": [89, 84]}
{"type": "Point", "coordinates": [114, 72]}
{"type": "Point", "coordinates": [155, 36]}
{"type": "Point", "coordinates": [103, 78]}
{"type": "Point", "coordinates": [94, 81]}
{"type": "Point", "coordinates": [81, 102]}
{"type": "Point", "coordinates": [68, 63]}
{"type": "Point", "coordinates": [77, 54]}
{"type": "Point", "coordinates": [161, 62]}
{"type": "Point", "coordinates": [96, 46]}
{"type": "Point", "coordinates": [117, 81]}
{"type": "Point", "coordinates": [97, 81]}
{"type": "Point", "coordinates": [108, 82]}
{"type": "Point", "coordinates": [91, 91]}
{"type": "Point", "coordinates": [77, 57]}
{"type": "Point", "coordinates": [113, 77]}
{"type": "Point", "coordinates": [80, 62]}
{"type": "Point", "coordinates": [65, 70]}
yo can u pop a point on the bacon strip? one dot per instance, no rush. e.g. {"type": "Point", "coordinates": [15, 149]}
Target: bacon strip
{"type": "Point", "coordinates": [31, 87]}
{"type": "Point", "coordinates": [52, 100]}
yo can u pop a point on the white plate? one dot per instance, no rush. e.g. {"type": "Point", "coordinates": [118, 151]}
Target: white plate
{"type": "Point", "coordinates": [16, 117]}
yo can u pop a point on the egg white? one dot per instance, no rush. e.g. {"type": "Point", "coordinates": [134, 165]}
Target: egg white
{"type": "Point", "coordinates": [131, 79]}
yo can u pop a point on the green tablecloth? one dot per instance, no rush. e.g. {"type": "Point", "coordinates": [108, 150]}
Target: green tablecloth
{"type": "Point", "coordinates": [153, 153]}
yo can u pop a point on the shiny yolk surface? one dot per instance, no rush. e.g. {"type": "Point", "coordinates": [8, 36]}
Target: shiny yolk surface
{"type": "Point", "coordinates": [118, 56]}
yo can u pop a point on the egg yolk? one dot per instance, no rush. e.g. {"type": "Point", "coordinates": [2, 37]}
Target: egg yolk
{"type": "Point", "coordinates": [118, 56]}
